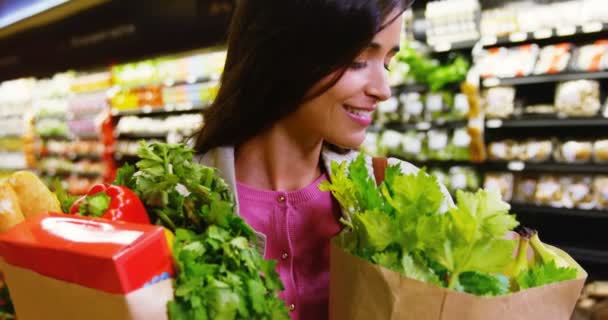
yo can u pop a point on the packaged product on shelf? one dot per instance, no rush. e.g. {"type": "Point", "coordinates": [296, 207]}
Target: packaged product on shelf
{"type": "Point", "coordinates": [437, 144]}
{"type": "Point", "coordinates": [600, 151]}
{"type": "Point", "coordinates": [536, 151]}
{"type": "Point", "coordinates": [500, 181]}
{"type": "Point", "coordinates": [460, 145]}
{"type": "Point", "coordinates": [437, 105]}
{"type": "Point", "coordinates": [600, 188]}
{"type": "Point", "coordinates": [505, 150]}
{"type": "Point", "coordinates": [390, 143]}
{"type": "Point", "coordinates": [578, 192]}
{"type": "Point", "coordinates": [412, 107]}
{"type": "Point", "coordinates": [461, 107]}
{"type": "Point", "coordinates": [462, 178]}
{"type": "Point", "coordinates": [590, 57]}
{"type": "Point", "coordinates": [526, 189]}
{"type": "Point", "coordinates": [578, 98]}
{"type": "Point", "coordinates": [574, 152]}
{"type": "Point", "coordinates": [499, 102]}
{"type": "Point", "coordinates": [549, 191]}
{"type": "Point", "coordinates": [388, 111]}
{"type": "Point", "coordinates": [91, 82]}
{"type": "Point", "coordinates": [414, 146]}
{"type": "Point", "coordinates": [520, 61]}
{"type": "Point", "coordinates": [442, 176]}
{"type": "Point", "coordinates": [489, 62]}
{"type": "Point", "coordinates": [51, 127]}
{"type": "Point", "coordinates": [553, 58]}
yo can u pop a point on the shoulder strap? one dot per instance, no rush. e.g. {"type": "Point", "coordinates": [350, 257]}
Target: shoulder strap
{"type": "Point", "coordinates": [379, 164]}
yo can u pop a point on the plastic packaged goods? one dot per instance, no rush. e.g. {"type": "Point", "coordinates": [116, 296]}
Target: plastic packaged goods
{"type": "Point", "coordinates": [461, 107]}
{"type": "Point", "coordinates": [520, 61]}
{"type": "Point", "coordinates": [463, 178]}
{"type": "Point", "coordinates": [525, 190]}
{"type": "Point", "coordinates": [412, 107]}
{"type": "Point", "coordinates": [460, 144]}
{"type": "Point", "coordinates": [437, 105]}
{"type": "Point", "coordinates": [600, 189]}
{"type": "Point", "coordinates": [578, 98]}
{"type": "Point", "coordinates": [451, 21]}
{"type": "Point", "coordinates": [499, 102]}
{"type": "Point", "coordinates": [591, 57]}
{"type": "Point", "coordinates": [390, 143]}
{"type": "Point", "coordinates": [549, 191]}
{"type": "Point", "coordinates": [414, 145]}
{"type": "Point", "coordinates": [553, 58]}
{"type": "Point", "coordinates": [578, 192]}
{"type": "Point", "coordinates": [489, 62]}
{"type": "Point", "coordinates": [505, 150]}
{"type": "Point", "coordinates": [503, 182]}
{"type": "Point", "coordinates": [574, 152]}
{"type": "Point", "coordinates": [600, 151]}
{"type": "Point", "coordinates": [438, 143]}
{"type": "Point", "coordinates": [388, 111]}
{"type": "Point", "coordinates": [536, 151]}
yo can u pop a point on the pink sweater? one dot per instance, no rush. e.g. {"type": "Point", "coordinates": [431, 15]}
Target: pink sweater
{"type": "Point", "coordinates": [298, 226]}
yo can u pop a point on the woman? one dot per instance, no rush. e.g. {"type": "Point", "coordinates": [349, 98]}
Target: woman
{"type": "Point", "coordinates": [300, 82]}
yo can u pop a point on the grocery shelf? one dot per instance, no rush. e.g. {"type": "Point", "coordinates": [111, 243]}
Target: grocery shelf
{"type": "Point", "coordinates": [150, 135]}
{"type": "Point", "coordinates": [126, 157]}
{"type": "Point", "coordinates": [447, 47]}
{"type": "Point", "coordinates": [548, 167]}
{"type": "Point", "coordinates": [558, 34]}
{"type": "Point", "coordinates": [169, 83]}
{"type": "Point", "coordinates": [546, 122]}
{"type": "Point", "coordinates": [523, 208]}
{"type": "Point", "coordinates": [65, 173]}
{"type": "Point", "coordinates": [545, 78]}
{"type": "Point", "coordinates": [409, 88]}
{"type": "Point", "coordinates": [72, 156]}
{"type": "Point", "coordinates": [167, 110]}
{"type": "Point", "coordinates": [424, 125]}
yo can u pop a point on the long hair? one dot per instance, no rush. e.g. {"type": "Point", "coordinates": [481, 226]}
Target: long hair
{"type": "Point", "coordinates": [277, 51]}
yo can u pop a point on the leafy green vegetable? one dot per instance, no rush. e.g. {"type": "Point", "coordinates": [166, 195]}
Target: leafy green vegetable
{"type": "Point", "coordinates": [403, 229]}
{"type": "Point", "coordinates": [483, 284]}
{"type": "Point", "coordinates": [545, 273]}
{"type": "Point", "coordinates": [220, 273]}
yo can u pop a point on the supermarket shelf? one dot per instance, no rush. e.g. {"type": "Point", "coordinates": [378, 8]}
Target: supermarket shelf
{"type": "Point", "coordinates": [409, 88]}
{"type": "Point", "coordinates": [72, 156]}
{"type": "Point", "coordinates": [11, 136]}
{"type": "Point", "coordinates": [521, 208]}
{"type": "Point", "coordinates": [546, 78]}
{"type": "Point", "coordinates": [423, 126]}
{"type": "Point", "coordinates": [168, 83]}
{"type": "Point", "coordinates": [133, 136]}
{"type": "Point", "coordinates": [63, 173]}
{"type": "Point", "coordinates": [559, 34]}
{"type": "Point", "coordinates": [447, 47]}
{"type": "Point", "coordinates": [167, 110]}
{"type": "Point", "coordinates": [551, 167]}
{"type": "Point", "coordinates": [546, 122]}
{"type": "Point", "coordinates": [126, 157]}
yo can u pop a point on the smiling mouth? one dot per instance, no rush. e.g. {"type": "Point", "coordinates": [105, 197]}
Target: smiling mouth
{"type": "Point", "coordinates": [359, 112]}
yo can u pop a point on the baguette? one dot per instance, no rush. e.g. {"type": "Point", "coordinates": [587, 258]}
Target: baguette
{"type": "Point", "coordinates": [34, 197]}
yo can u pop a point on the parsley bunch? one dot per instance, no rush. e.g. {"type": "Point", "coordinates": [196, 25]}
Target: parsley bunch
{"type": "Point", "coordinates": [220, 273]}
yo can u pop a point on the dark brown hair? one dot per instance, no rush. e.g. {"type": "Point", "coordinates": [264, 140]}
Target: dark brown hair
{"type": "Point", "coordinates": [277, 51]}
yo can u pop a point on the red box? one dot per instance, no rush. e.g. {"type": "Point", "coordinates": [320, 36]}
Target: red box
{"type": "Point", "coordinates": [113, 257]}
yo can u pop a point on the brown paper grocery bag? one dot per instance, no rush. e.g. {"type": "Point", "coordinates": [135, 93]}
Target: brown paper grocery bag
{"type": "Point", "coordinates": [360, 290]}
{"type": "Point", "coordinates": [37, 297]}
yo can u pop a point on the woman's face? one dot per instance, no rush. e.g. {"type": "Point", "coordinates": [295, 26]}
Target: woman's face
{"type": "Point", "coordinates": [342, 114]}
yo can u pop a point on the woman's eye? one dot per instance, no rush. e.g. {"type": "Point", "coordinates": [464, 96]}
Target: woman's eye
{"type": "Point", "coordinates": [358, 65]}
{"type": "Point", "coordinates": [387, 67]}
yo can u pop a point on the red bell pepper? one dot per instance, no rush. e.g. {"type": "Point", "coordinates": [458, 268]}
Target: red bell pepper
{"type": "Point", "coordinates": [116, 203]}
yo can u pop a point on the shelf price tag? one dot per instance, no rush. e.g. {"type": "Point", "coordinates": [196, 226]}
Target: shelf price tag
{"type": "Point", "coordinates": [591, 27]}
{"type": "Point", "coordinates": [516, 166]}
{"type": "Point", "coordinates": [494, 123]}
{"type": "Point", "coordinates": [423, 125]}
{"type": "Point", "coordinates": [543, 34]}
{"type": "Point", "coordinates": [566, 30]}
{"type": "Point", "coordinates": [518, 36]}
{"type": "Point", "coordinates": [489, 40]}
{"type": "Point", "coordinates": [491, 82]}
